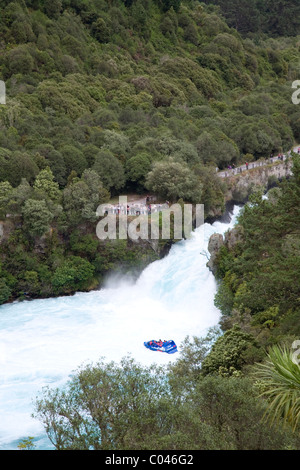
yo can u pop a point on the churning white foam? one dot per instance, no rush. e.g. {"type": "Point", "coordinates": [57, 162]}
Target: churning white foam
{"type": "Point", "coordinates": [43, 341]}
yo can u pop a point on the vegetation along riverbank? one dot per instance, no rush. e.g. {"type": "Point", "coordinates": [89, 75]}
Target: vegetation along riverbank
{"type": "Point", "coordinates": [160, 97]}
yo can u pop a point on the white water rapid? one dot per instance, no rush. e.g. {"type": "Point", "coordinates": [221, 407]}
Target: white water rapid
{"type": "Point", "coordinates": [43, 341]}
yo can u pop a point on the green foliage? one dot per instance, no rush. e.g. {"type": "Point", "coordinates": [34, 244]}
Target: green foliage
{"type": "Point", "coordinates": [258, 272]}
{"type": "Point", "coordinates": [231, 405]}
{"type": "Point", "coordinates": [17, 165]}
{"type": "Point", "coordinates": [37, 217]}
{"type": "Point", "coordinates": [52, 8]}
{"type": "Point", "coordinates": [224, 298]}
{"type": "Point", "coordinates": [104, 97]}
{"type": "Point", "coordinates": [110, 171]}
{"type": "Point", "coordinates": [19, 60]}
{"type": "Point", "coordinates": [124, 405]}
{"type": "Point", "coordinates": [168, 4]}
{"type": "Point", "coordinates": [268, 16]}
{"type": "Point", "coordinates": [45, 186]}
{"type": "Point", "coordinates": [100, 30]}
{"type": "Point", "coordinates": [74, 273]}
{"type": "Point", "coordinates": [279, 381]}
{"type": "Point", "coordinates": [129, 407]}
{"type": "Point", "coordinates": [5, 291]}
{"type": "Point", "coordinates": [230, 353]}
{"type": "Point", "coordinates": [74, 159]}
{"type": "Point", "coordinates": [27, 444]}
{"type": "Point", "coordinates": [193, 353]}
{"type": "Point", "coordinates": [137, 168]}
{"type": "Point", "coordinates": [5, 191]}
{"type": "Point", "coordinates": [213, 190]}
{"type": "Point", "coordinates": [82, 197]}
{"type": "Point", "coordinates": [91, 92]}
{"type": "Point", "coordinates": [172, 180]}
{"type": "Point", "coordinates": [111, 97]}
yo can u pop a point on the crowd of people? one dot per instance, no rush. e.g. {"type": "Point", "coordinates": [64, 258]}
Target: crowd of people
{"type": "Point", "coordinates": [136, 208]}
{"type": "Point", "coordinates": [232, 169]}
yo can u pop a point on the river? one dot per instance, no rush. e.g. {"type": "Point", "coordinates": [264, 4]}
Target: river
{"type": "Point", "coordinates": [43, 341]}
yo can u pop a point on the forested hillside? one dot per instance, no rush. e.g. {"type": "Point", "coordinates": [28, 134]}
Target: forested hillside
{"type": "Point", "coordinates": [115, 97]}
{"type": "Point", "coordinates": [103, 96]}
{"type": "Point", "coordinates": [269, 17]}
{"type": "Point", "coordinates": [97, 84]}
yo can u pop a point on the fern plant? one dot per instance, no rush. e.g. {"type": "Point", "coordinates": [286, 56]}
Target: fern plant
{"type": "Point", "coordinates": [279, 382]}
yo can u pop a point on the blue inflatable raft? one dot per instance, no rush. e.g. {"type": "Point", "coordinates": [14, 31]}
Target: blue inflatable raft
{"type": "Point", "coordinates": [168, 347]}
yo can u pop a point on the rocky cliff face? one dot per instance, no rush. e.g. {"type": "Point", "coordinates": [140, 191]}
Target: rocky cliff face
{"type": "Point", "coordinates": [240, 185]}
{"type": "Point", "coordinates": [217, 240]}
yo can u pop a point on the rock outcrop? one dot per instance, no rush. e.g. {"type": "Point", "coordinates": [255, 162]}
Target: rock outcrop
{"type": "Point", "coordinates": [216, 241]}
{"type": "Point", "coordinates": [240, 185]}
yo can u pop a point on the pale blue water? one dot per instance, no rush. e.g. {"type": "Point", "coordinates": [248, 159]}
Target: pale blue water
{"type": "Point", "coordinates": [43, 341]}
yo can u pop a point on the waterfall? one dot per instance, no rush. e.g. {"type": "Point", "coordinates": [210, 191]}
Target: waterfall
{"type": "Point", "coordinates": [43, 341]}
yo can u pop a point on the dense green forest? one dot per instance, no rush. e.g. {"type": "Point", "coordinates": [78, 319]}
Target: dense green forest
{"type": "Point", "coordinates": [270, 17]}
{"type": "Point", "coordinates": [104, 96]}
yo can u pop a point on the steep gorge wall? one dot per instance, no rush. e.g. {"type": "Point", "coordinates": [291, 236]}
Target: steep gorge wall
{"type": "Point", "coordinates": [240, 185]}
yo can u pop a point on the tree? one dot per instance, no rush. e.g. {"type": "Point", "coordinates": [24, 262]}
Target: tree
{"type": "Point", "coordinates": [118, 143]}
{"type": "Point", "coordinates": [166, 5]}
{"type": "Point", "coordinates": [21, 30]}
{"type": "Point", "coordinates": [5, 291]}
{"type": "Point", "coordinates": [213, 191]}
{"type": "Point", "coordinates": [27, 444]}
{"type": "Point", "coordinates": [58, 167]}
{"type": "Point", "coordinates": [230, 352]}
{"type": "Point", "coordinates": [19, 60]}
{"type": "Point", "coordinates": [273, 17]}
{"type": "Point", "coordinates": [5, 191]}
{"type": "Point", "coordinates": [110, 170]}
{"type": "Point", "coordinates": [73, 159]}
{"type": "Point", "coordinates": [45, 185]}
{"type": "Point", "coordinates": [18, 196]}
{"type": "Point", "coordinates": [30, 283]}
{"type": "Point", "coordinates": [100, 30]}
{"type": "Point", "coordinates": [230, 406]}
{"type": "Point", "coordinates": [17, 165]}
{"type": "Point", "coordinates": [52, 8]}
{"type": "Point", "coordinates": [114, 407]}
{"type": "Point", "coordinates": [216, 149]}
{"type": "Point", "coordinates": [242, 15]}
{"type": "Point", "coordinates": [137, 168]}
{"type": "Point", "coordinates": [74, 274]}
{"type": "Point", "coordinates": [126, 406]}
{"type": "Point", "coordinates": [82, 197]}
{"type": "Point", "coordinates": [282, 18]}
{"type": "Point", "coordinates": [173, 180]}
{"type": "Point", "coordinates": [188, 367]}
{"type": "Point", "coordinates": [36, 217]}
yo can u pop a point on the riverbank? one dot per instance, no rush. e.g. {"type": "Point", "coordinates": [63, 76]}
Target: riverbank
{"type": "Point", "coordinates": [256, 264]}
